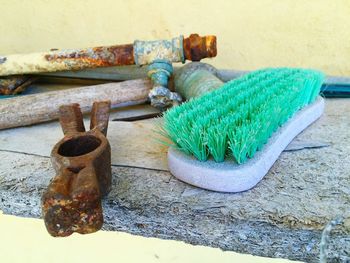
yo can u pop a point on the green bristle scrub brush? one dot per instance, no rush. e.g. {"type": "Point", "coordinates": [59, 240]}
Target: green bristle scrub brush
{"type": "Point", "coordinates": [229, 137]}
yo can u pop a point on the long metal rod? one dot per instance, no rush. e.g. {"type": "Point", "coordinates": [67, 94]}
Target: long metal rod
{"type": "Point", "coordinates": [135, 72]}
{"type": "Point", "coordinates": [333, 86]}
{"type": "Point", "coordinates": [177, 49]}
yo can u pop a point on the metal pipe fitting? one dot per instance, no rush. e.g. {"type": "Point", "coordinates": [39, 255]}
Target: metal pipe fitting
{"type": "Point", "coordinates": [195, 79]}
{"type": "Point", "coordinates": [177, 49]}
{"type": "Point", "coordinates": [82, 161]}
{"type": "Point", "coordinates": [160, 96]}
{"type": "Point", "coordinates": [155, 53]}
{"type": "Point", "coordinates": [147, 52]}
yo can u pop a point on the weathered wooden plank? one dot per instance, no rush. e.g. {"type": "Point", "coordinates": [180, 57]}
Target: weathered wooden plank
{"type": "Point", "coordinates": [132, 143]}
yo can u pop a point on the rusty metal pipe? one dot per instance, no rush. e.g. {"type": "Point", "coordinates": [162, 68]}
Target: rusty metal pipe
{"type": "Point", "coordinates": [140, 53]}
{"type": "Point", "coordinates": [82, 161]}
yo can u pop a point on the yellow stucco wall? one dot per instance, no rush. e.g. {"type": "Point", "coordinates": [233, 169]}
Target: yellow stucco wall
{"type": "Point", "coordinates": [251, 33]}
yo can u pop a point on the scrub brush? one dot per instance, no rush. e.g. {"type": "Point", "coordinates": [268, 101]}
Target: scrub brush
{"type": "Point", "coordinates": [227, 139]}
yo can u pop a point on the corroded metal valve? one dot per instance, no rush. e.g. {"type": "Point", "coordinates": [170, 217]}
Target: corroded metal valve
{"type": "Point", "coordinates": [82, 161]}
{"type": "Point", "coordinates": [160, 96]}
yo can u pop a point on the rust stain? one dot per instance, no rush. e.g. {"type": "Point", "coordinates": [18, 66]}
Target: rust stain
{"type": "Point", "coordinates": [177, 49]}
{"type": "Point", "coordinates": [123, 55]}
{"type": "Point", "coordinates": [82, 161]}
{"type": "Point", "coordinates": [94, 57]}
{"type": "Point", "coordinates": [197, 47]}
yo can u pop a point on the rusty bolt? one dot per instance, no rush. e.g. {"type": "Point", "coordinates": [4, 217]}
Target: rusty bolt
{"type": "Point", "coordinates": [197, 47]}
{"type": "Point", "coordinates": [82, 161]}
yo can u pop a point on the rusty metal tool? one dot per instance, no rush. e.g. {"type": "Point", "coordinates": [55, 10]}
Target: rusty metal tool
{"type": "Point", "coordinates": [159, 55]}
{"type": "Point", "coordinates": [82, 161]}
{"type": "Point", "coordinates": [12, 85]}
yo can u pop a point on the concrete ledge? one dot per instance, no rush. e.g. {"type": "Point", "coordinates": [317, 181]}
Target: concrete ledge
{"type": "Point", "coordinates": [283, 216]}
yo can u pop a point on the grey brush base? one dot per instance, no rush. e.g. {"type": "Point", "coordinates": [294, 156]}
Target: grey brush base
{"type": "Point", "coordinates": [231, 177]}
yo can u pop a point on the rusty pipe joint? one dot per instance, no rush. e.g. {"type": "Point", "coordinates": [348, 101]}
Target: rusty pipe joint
{"type": "Point", "coordinates": [160, 55]}
{"type": "Point", "coordinates": [82, 161]}
{"type": "Point", "coordinates": [146, 52]}
{"type": "Point", "coordinates": [159, 71]}
{"type": "Point", "coordinates": [178, 49]}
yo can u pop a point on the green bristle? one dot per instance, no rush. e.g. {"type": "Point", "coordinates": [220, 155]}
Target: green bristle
{"type": "Point", "coordinates": [238, 119]}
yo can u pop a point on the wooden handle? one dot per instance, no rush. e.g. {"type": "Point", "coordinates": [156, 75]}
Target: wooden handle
{"type": "Point", "coordinates": [42, 107]}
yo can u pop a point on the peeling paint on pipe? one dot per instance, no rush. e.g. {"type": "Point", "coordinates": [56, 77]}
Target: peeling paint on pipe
{"type": "Point", "coordinates": [145, 52]}
{"type": "Point", "coordinates": [140, 53]}
{"type": "Point", "coordinates": [70, 59]}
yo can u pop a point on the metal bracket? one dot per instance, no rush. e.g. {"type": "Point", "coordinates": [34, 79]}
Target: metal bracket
{"type": "Point", "coordinates": [82, 161]}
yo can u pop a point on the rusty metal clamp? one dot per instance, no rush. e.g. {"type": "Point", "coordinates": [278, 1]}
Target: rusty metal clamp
{"type": "Point", "coordinates": [82, 161]}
